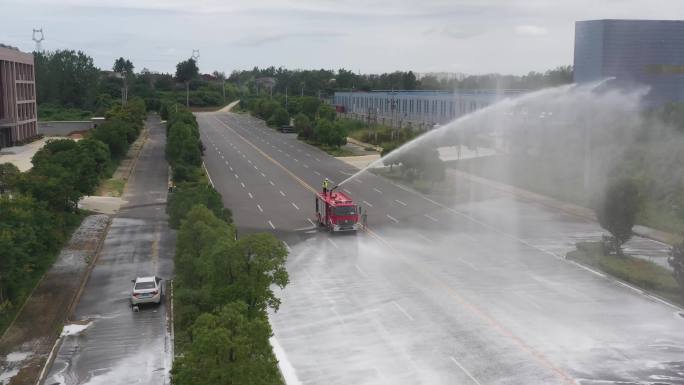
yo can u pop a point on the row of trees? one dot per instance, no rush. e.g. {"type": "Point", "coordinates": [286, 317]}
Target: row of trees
{"type": "Point", "coordinates": [39, 207]}
{"type": "Point", "coordinates": [223, 286]}
{"type": "Point", "coordinates": [319, 82]}
{"type": "Point", "coordinates": [70, 86]}
{"type": "Point", "coordinates": [314, 121]}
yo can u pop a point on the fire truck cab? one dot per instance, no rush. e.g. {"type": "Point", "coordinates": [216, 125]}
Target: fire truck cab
{"type": "Point", "coordinates": [336, 212]}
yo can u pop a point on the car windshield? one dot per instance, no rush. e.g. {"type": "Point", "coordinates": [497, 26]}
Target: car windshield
{"type": "Point", "coordinates": [144, 285]}
{"type": "Point", "coordinates": [345, 210]}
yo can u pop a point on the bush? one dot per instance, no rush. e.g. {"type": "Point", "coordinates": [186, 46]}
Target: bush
{"type": "Point", "coordinates": [618, 209]}
{"type": "Point", "coordinates": [638, 271]}
{"type": "Point", "coordinates": [114, 134]}
{"type": "Point", "coordinates": [279, 118]}
{"type": "Point", "coordinates": [188, 195]}
{"type": "Point", "coordinates": [183, 147]}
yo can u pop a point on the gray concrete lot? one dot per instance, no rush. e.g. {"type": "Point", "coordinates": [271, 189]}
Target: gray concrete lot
{"type": "Point", "coordinates": [117, 345]}
{"type": "Point", "coordinates": [470, 289]}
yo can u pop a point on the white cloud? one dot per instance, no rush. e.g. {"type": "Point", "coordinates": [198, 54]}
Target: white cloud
{"type": "Point", "coordinates": [531, 30]}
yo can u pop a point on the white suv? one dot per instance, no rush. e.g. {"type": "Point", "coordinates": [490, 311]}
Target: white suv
{"type": "Point", "coordinates": [146, 290]}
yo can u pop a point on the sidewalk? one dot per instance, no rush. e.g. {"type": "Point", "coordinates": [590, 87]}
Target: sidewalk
{"type": "Point", "coordinates": [20, 156]}
{"type": "Point", "coordinates": [26, 344]}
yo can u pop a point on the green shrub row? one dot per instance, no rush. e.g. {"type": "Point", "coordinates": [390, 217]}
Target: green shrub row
{"type": "Point", "coordinates": [223, 286]}
{"type": "Point", "coordinates": [38, 208]}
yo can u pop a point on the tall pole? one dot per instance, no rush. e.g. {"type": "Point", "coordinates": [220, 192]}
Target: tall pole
{"type": "Point", "coordinates": [224, 90]}
{"type": "Point", "coordinates": [187, 94]}
{"type": "Point", "coordinates": [285, 96]}
{"type": "Point", "coordinates": [124, 89]}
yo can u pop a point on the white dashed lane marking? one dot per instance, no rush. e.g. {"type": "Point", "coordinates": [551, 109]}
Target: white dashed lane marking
{"type": "Point", "coordinates": [430, 217]}
{"type": "Point", "coordinates": [395, 220]}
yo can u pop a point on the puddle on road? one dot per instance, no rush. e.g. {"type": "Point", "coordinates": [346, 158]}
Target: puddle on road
{"type": "Point", "coordinates": [75, 328]}
{"type": "Point", "coordinates": [11, 365]}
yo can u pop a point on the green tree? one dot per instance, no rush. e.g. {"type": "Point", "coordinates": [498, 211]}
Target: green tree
{"type": "Point", "coordinates": [66, 78]}
{"type": "Point", "coordinates": [279, 118]}
{"type": "Point", "coordinates": [247, 270]}
{"type": "Point", "coordinates": [228, 348]}
{"type": "Point", "coordinates": [337, 137]}
{"type": "Point", "coordinates": [617, 210]}
{"type": "Point", "coordinates": [115, 135]}
{"type": "Point", "coordinates": [53, 184]}
{"type": "Point", "coordinates": [73, 159]}
{"type": "Point", "coordinates": [302, 125]}
{"type": "Point", "coordinates": [9, 176]}
{"type": "Point", "coordinates": [185, 72]}
{"type": "Point", "coordinates": [322, 130]}
{"type": "Point", "coordinates": [186, 196]}
{"type": "Point", "coordinates": [122, 65]}
{"type": "Point", "coordinates": [99, 153]}
{"type": "Point", "coordinates": [309, 106]}
{"type": "Point", "coordinates": [326, 111]}
{"type": "Point", "coordinates": [29, 233]}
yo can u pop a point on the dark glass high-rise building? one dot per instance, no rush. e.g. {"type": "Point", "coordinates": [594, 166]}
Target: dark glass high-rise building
{"type": "Point", "coordinates": [648, 52]}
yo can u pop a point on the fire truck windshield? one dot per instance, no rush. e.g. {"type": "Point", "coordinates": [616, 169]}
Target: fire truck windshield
{"type": "Point", "coordinates": [345, 210]}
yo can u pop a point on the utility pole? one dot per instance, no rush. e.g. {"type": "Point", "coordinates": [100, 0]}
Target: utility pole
{"type": "Point", "coordinates": [187, 93]}
{"type": "Point", "coordinates": [224, 88]}
{"type": "Point", "coordinates": [285, 97]}
{"type": "Point", "coordinates": [195, 56]}
{"type": "Point", "coordinates": [124, 89]}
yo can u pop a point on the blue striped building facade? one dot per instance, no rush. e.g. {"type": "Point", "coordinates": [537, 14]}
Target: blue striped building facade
{"type": "Point", "coordinates": [416, 108]}
{"type": "Point", "coordinates": [646, 52]}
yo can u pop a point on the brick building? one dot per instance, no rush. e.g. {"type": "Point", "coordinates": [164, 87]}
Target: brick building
{"type": "Point", "coordinates": [18, 114]}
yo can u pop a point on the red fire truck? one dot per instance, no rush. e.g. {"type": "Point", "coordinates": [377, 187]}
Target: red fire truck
{"type": "Point", "coordinates": [336, 211]}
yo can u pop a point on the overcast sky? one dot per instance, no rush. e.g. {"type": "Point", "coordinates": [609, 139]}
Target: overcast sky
{"type": "Point", "coordinates": [471, 36]}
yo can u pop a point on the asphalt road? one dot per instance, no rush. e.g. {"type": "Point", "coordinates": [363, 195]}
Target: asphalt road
{"type": "Point", "coordinates": [117, 345]}
{"type": "Point", "coordinates": [472, 289]}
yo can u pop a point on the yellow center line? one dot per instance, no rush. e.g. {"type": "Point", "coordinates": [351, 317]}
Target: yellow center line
{"type": "Point", "coordinates": [564, 376]}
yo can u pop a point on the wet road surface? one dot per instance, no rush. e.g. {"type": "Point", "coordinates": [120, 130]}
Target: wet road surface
{"type": "Point", "coordinates": [471, 289]}
{"type": "Point", "coordinates": [116, 345]}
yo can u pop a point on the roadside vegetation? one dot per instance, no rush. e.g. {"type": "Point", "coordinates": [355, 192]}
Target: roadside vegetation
{"type": "Point", "coordinates": [639, 272]}
{"type": "Point", "coordinates": [223, 285]}
{"type": "Point", "coordinates": [617, 210]}
{"type": "Point", "coordinates": [38, 208]}
{"type": "Point", "coordinates": [70, 87]}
